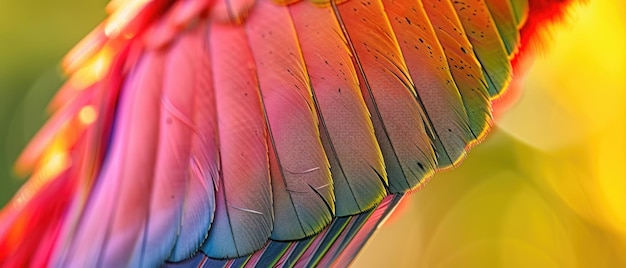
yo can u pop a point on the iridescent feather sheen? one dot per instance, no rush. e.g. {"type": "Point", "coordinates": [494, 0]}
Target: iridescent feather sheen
{"type": "Point", "coordinates": [257, 133]}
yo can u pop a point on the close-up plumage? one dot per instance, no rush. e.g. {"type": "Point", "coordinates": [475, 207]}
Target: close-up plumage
{"type": "Point", "coordinates": [197, 133]}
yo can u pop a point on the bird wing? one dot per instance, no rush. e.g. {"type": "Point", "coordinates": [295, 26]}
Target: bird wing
{"type": "Point", "coordinates": [257, 132]}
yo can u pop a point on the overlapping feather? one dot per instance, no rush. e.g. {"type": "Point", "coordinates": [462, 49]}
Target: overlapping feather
{"type": "Point", "coordinates": [302, 186]}
{"type": "Point", "coordinates": [400, 124]}
{"type": "Point", "coordinates": [244, 213]}
{"type": "Point", "coordinates": [346, 131]}
{"type": "Point", "coordinates": [246, 133]}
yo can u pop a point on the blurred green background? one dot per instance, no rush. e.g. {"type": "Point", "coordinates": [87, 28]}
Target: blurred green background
{"type": "Point", "coordinates": [34, 36]}
{"type": "Point", "coordinates": [546, 189]}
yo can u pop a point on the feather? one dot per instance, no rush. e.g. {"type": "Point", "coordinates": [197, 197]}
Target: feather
{"type": "Point", "coordinates": [171, 173]}
{"type": "Point", "coordinates": [343, 232]}
{"type": "Point", "coordinates": [346, 131]}
{"type": "Point", "coordinates": [16, 250]}
{"type": "Point", "coordinates": [463, 65]}
{"type": "Point", "coordinates": [133, 147]}
{"type": "Point", "coordinates": [298, 248]}
{"type": "Point", "coordinates": [136, 169]}
{"type": "Point", "coordinates": [196, 261]}
{"type": "Point", "coordinates": [203, 163]}
{"type": "Point", "coordinates": [506, 23]}
{"type": "Point", "coordinates": [133, 17]}
{"type": "Point", "coordinates": [355, 240]}
{"type": "Point", "coordinates": [487, 43]}
{"type": "Point", "coordinates": [301, 181]}
{"type": "Point", "coordinates": [427, 66]}
{"type": "Point", "coordinates": [180, 16]}
{"type": "Point", "coordinates": [242, 261]}
{"type": "Point", "coordinates": [88, 154]}
{"type": "Point", "coordinates": [318, 248]}
{"type": "Point", "coordinates": [269, 256]}
{"type": "Point", "coordinates": [231, 11]}
{"type": "Point", "coordinates": [244, 214]}
{"type": "Point", "coordinates": [520, 10]}
{"type": "Point", "coordinates": [185, 11]}
{"type": "Point", "coordinates": [389, 93]}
